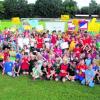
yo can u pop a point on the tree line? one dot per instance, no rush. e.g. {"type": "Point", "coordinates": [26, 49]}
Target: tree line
{"type": "Point", "coordinates": [44, 8]}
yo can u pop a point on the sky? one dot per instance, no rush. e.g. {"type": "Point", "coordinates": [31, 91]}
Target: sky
{"type": "Point", "coordinates": [80, 3]}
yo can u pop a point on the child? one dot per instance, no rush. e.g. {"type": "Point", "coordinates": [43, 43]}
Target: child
{"type": "Point", "coordinates": [80, 70]}
{"type": "Point", "coordinates": [39, 41]}
{"type": "Point", "coordinates": [17, 67]}
{"type": "Point", "coordinates": [54, 38]}
{"type": "Point", "coordinates": [25, 65]}
{"type": "Point", "coordinates": [32, 64]}
{"type": "Point", "coordinates": [72, 44]}
{"type": "Point", "coordinates": [50, 72]}
{"type": "Point", "coordinates": [71, 71]}
{"type": "Point", "coordinates": [12, 53]}
{"type": "Point", "coordinates": [63, 71]}
{"type": "Point", "coordinates": [88, 61]}
{"type": "Point", "coordinates": [1, 58]}
{"type": "Point", "coordinates": [6, 54]}
{"type": "Point", "coordinates": [97, 73]}
{"type": "Point", "coordinates": [89, 76]}
{"type": "Point", "coordinates": [8, 67]}
{"type": "Point", "coordinates": [36, 73]}
{"type": "Point", "coordinates": [44, 70]}
{"type": "Point", "coordinates": [77, 51]}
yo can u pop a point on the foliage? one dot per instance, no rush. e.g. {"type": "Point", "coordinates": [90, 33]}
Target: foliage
{"type": "Point", "coordinates": [2, 9]}
{"type": "Point", "coordinates": [85, 10]}
{"type": "Point", "coordinates": [45, 8]}
{"type": "Point", "coordinates": [92, 7]}
{"type": "Point", "coordinates": [70, 7]}
{"type": "Point", "coordinates": [48, 8]}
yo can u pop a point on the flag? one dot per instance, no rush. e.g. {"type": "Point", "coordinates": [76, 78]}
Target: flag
{"type": "Point", "coordinates": [71, 26]}
{"type": "Point", "coordinates": [83, 25]}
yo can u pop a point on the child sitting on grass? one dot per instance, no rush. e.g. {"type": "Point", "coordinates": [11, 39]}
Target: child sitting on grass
{"type": "Point", "coordinates": [8, 67]}
{"type": "Point", "coordinates": [36, 72]}
{"type": "Point", "coordinates": [80, 70]}
{"type": "Point", "coordinates": [17, 67]}
{"type": "Point", "coordinates": [71, 71]}
{"type": "Point", "coordinates": [89, 76]}
{"type": "Point", "coordinates": [50, 72]}
{"type": "Point", "coordinates": [25, 65]}
{"type": "Point", "coordinates": [63, 71]}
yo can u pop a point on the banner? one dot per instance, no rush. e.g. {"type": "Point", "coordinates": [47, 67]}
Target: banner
{"type": "Point", "coordinates": [27, 27]}
{"type": "Point", "coordinates": [93, 27]}
{"type": "Point", "coordinates": [58, 26]}
{"type": "Point", "coordinates": [65, 17]}
{"type": "Point", "coordinates": [71, 26]}
{"type": "Point", "coordinates": [33, 23]}
{"type": "Point", "coordinates": [39, 28]}
{"type": "Point", "coordinates": [93, 20]}
{"type": "Point", "coordinates": [83, 25]}
{"type": "Point", "coordinates": [75, 22]}
{"type": "Point", "coordinates": [64, 45]}
{"type": "Point", "coordinates": [16, 20]}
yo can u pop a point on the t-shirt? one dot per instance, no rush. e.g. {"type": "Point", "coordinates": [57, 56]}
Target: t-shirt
{"type": "Point", "coordinates": [71, 70]}
{"type": "Point", "coordinates": [17, 64]}
{"type": "Point", "coordinates": [95, 68]}
{"type": "Point", "coordinates": [18, 56]}
{"type": "Point", "coordinates": [39, 43]}
{"type": "Point", "coordinates": [89, 74]}
{"type": "Point", "coordinates": [26, 41]}
{"type": "Point", "coordinates": [20, 42]}
{"type": "Point", "coordinates": [88, 61]}
{"type": "Point", "coordinates": [8, 66]}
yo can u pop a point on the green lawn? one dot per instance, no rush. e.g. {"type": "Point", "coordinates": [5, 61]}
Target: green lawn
{"type": "Point", "coordinates": [23, 88]}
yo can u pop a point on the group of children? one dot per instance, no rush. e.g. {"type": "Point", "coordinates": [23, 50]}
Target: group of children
{"type": "Point", "coordinates": [51, 56]}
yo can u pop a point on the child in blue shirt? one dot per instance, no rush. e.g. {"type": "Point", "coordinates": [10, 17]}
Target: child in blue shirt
{"type": "Point", "coordinates": [89, 76]}
{"type": "Point", "coordinates": [8, 68]}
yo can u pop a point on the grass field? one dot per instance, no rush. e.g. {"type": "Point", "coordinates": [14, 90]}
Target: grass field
{"type": "Point", "coordinates": [23, 88]}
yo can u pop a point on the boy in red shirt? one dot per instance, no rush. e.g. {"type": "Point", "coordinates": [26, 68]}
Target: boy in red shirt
{"type": "Point", "coordinates": [6, 54]}
{"type": "Point", "coordinates": [80, 70]}
{"type": "Point", "coordinates": [63, 72]}
{"type": "Point", "coordinates": [77, 51]}
{"type": "Point", "coordinates": [54, 38]}
{"type": "Point", "coordinates": [39, 42]}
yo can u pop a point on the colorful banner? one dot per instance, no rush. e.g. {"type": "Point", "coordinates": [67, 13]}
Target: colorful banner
{"type": "Point", "coordinates": [65, 17]}
{"type": "Point", "coordinates": [75, 22]}
{"type": "Point", "coordinates": [16, 20]}
{"type": "Point", "coordinates": [71, 26]}
{"type": "Point", "coordinates": [83, 25]}
{"type": "Point", "coordinates": [33, 23]}
{"type": "Point", "coordinates": [55, 26]}
{"type": "Point", "coordinates": [27, 27]}
{"type": "Point", "coordinates": [39, 28]}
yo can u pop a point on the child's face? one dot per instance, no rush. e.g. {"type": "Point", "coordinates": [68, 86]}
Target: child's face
{"type": "Point", "coordinates": [49, 65]}
{"type": "Point", "coordinates": [82, 62]}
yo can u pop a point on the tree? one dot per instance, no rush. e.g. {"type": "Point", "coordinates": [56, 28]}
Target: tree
{"type": "Point", "coordinates": [2, 9]}
{"type": "Point", "coordinates": [92, 7]}
{"type": "Point", "coordinates": [30, 10]}
{"type": "Point", "coordinates": [85, 10]}
{"type": "Point", "coordinates": [70, 7]}
{"type": "Point", "coordinates": [48, 8]}
{"type": "Point", "coordinates": [98, 10]}
{"type": "Point", "coordinates": [15, 8]}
